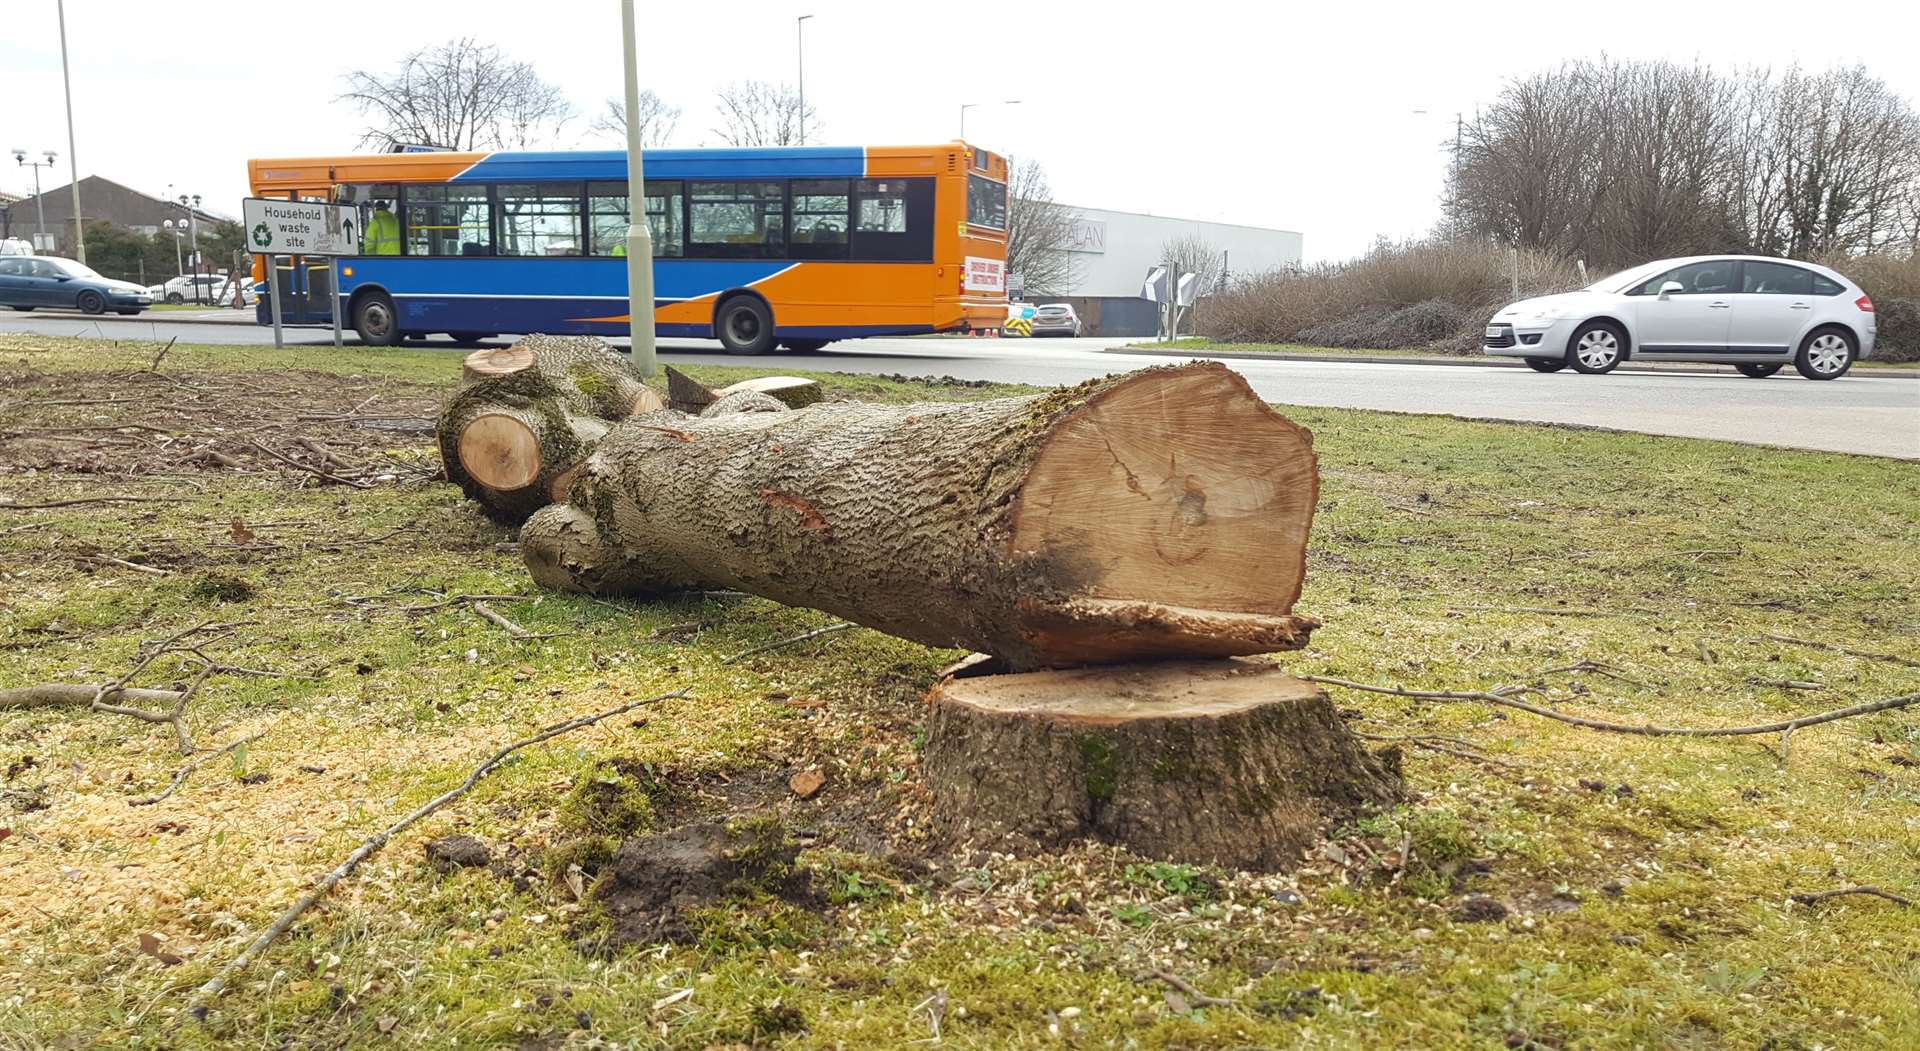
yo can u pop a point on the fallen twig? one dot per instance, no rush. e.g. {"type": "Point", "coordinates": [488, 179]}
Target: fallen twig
{"type": "Point", "coordinates": [515, 630]}
{"type": "Point", "coordinates": [1501, 696]}
{"type": "Point", "coordinates": [197, 1005]}
{"type": "Point", "coordinates": [1830, 647]}
{"type": "Point", "coordinates": [1785, 684]}
{"type": "Point", "coordinates": [1815, 897]}
{"type": "Point", "coordinates": [154, 571]}
{"type": "Point", "coordinates": [5, 506]}
{"type": "Point", "coordinates": [157, 358]}
{"type": "Point", "coordinates": [180, 776]}
{"type": "Point", "coordinates": [1186, 988]}
{"type": "Point", "coordinates": [55, 694]}
{"type": "Point", "coordinates": [310, 469]}
{"type": "Point", "coordinates": [802, 637]}
{"type": "Point", "coordinates": [1437, 744]}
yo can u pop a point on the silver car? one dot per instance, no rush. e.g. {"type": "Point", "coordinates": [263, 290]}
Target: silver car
{"type": "Point", "coordinates": [1754, 313]}
{"type": "Point", "coordinates": [1056, 319]}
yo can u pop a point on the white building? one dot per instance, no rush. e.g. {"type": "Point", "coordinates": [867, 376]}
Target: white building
{"type": "Point", "coordinates": [1112, 252]}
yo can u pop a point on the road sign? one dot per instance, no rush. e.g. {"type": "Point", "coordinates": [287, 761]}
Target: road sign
{"type": "Point", "coordinates": [1155, 289]}
{"type": "Point", "coordinates": [1016, 285]}
{"type": "Point", "coordinates": [1188, 291]}
{"type": "Point", "coordinates": [300, 227]}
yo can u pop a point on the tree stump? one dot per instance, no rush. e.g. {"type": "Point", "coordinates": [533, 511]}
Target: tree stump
{"type": "Point", "coordinates": [1223, 762]}
{"type": "Point", "coordinates": [1159, 513]}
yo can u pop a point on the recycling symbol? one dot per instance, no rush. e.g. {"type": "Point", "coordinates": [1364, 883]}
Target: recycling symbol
{"type": "Point", "coordinates": [261, 235]}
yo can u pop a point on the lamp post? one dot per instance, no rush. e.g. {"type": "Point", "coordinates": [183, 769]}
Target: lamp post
{"type": "Point", "coordinates": [73, 161]}
{"type": "Point", "coordinates": [800, 45]}
{"type": "Point", "coordinates": [193, 236]}
{"type": "Point", "coordinates": [174, 228]}
{"type": "Point", "coordinates": [40, 206]}
{"type": "Point", "coordinates": [639, 238]}
{"type": "Point", "coordinates": [965, 106]}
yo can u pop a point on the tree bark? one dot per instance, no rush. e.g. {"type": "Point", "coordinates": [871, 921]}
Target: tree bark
{"type": "Point", "coordinates": [526, 415]}
{"type": "Point", "coordinates": [1162, 513]}
{"type": "Point", "coordinates": [1209, 762]}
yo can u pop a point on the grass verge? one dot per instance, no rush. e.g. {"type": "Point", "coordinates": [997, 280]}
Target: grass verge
{"type": "Point", "coordinates": [1199, 345]}
{"type": "Point", "coordinates": [1575, 890]}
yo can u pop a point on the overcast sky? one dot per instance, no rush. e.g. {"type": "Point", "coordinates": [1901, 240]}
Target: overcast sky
{"type": "Point", "coordinates": [1297, 116]}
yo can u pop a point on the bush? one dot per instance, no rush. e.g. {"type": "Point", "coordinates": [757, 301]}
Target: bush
{"type": "Point", "coordinates": [1437, 295]}
{"type": "Point", "coordinates": [1408, 295]}
{"type": "Point", "coordinates": [1899, 323]}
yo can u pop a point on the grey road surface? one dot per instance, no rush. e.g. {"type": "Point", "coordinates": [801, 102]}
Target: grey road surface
{"type": "Point", "coordinates": [1860, 413]}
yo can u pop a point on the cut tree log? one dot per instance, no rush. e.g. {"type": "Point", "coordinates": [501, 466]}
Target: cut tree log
{"type": "Point", "coordinates": [1161, 513]}
{"type": "Point", "coordinates": [526, 415]}
{"type": "Point", "coordinates": [1225, 762]}
{"type": "Point", "coordinates": [791, 391]}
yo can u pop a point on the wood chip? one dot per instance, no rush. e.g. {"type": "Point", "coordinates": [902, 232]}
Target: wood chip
{"type": "Point", "coordinates": [807, 783]}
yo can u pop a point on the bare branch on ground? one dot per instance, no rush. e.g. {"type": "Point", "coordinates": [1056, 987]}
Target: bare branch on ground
{"type": "Point", "coordinates": [197, 1005]}
{"type": "Point", "coordinates": [802, 637]}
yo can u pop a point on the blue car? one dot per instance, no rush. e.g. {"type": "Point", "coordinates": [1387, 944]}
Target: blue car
{"type": "Point", "coordinates": [28, 282]}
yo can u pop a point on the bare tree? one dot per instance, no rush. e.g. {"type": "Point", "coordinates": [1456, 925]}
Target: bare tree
{"type": "Point", "coordinates": [656, 118]}
{"type": "Point", "coordinates": [461, 95]}
{"type": "Point", "coordinates": [1194, 254]}
{"type": "Point", "coordinates": [757, 113]}
{"type": "Point", "coordinates": [1618, 162]}
{"type": "Point", "coordinates": [1038, 230]}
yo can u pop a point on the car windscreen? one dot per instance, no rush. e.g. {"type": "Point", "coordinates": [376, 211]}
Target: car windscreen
{"type": "Point", "coordinates": [1625, 279]}
{"type": "Point", "coordinates": [73, 269]}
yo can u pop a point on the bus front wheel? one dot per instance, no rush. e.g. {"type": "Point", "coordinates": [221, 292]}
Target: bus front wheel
{"type": "Point", "coordinates": [744, 326]}
{"type": "Point", "coordinates": [375, 321]}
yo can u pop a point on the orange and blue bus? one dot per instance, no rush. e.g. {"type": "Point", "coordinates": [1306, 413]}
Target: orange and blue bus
{"type": "Point", "coordinates": [783, 246]}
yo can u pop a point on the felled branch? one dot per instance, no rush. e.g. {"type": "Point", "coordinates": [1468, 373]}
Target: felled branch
{"type": "Point", "coordinates": [1501, 697]}
{"type": "Point", "coordinates": [180, 776]}
{"type": "Point", "coordinates": [1816, 897]}
{"type": "Point", "coordinates": [204, 995]}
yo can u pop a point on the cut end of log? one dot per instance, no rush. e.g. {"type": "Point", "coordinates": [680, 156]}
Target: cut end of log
{"type": "Point", "coordinates": [499, 452]}
{"type": "Point", "coordinates": [792, 391]}
{"type": "Point", "coordinates": [1208, 762]}
{"type": "Point", "coordinates": [496, 361]}
{"type": "Point", "coordinates": [1178, 487]}
{"type": "Point", "coordinates": [648, 400]}
{"type": "Point", "coordinates": [1097, 631]}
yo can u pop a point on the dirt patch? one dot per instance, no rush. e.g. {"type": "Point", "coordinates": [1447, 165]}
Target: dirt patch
{"type": "Point", "coordinates": [160, 423]}
{"type": "Point", "coordinates": [660, 883]}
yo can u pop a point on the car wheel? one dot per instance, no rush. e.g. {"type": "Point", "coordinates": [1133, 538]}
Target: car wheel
{"type": "Point", "coordinates": [1758, 372]}
{"type": "Point", "coordinates": [91, 302]}
{"type": "Point", "coordinates": [1546, 364]}
{"type": "Point", "coordinates": [375, 321]}
{"type": "Point", "coordinates": [1596, 348]}
{"type": "Point", "coordinates": [176, 298]}
{"type": "Point", "coordinates": [468, 339]}
{"type": "Point", "coordinates": [24, 310]}
{"type": "Point", "coordinates": [804, 346]}
{"type": "Point", "coordinates": [1826, 354]}
{"type": "Point", "coordinates": [744, 326]}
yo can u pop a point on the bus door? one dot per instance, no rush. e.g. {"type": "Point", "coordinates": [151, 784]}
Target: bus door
{"type": "Point", "coordinates": [305, 286]}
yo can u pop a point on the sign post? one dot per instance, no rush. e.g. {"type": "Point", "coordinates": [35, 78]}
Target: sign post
{"type": "Point", "coordinates": [296, 228]}
{"type": "Point", "coordinates": [273, 289]}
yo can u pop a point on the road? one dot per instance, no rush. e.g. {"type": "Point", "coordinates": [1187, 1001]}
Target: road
{"type": "Point", "coordinates": [1876, 415]}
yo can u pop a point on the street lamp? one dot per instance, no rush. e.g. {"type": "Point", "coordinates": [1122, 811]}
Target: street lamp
{"type": "Point", "coordinates": [193, 236]}
{"type": "Point", "coordinates": [800, 44]}
{"type": "Point", "coordinates": [40, 206]}
{"type": "Point", "coordinates": [176, 229]}
{"type": "Point", "coordinates": [964, 107]}
{"type": "Point", "coordinates": [73, 158]}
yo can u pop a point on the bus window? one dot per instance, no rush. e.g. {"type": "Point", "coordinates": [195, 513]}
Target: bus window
{"type": "Point", "coordinates": [607, 217]}
{"type": "Point", "coordinates": [540, 219]}
{"type": "Point", "coordinates": [448, 220]}
{"type": "Point", "coordinates": [821, 216]}
{"type": "Point", "coordinates": [892, 220]}
{"type": "Point", "coordinates": [737, 220]}
{"type": "Point", "coordinates": [986, 202]}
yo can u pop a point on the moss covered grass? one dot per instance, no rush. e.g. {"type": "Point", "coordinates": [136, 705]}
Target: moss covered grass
{"type": "Point", "coordinates": [1577, 890]}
